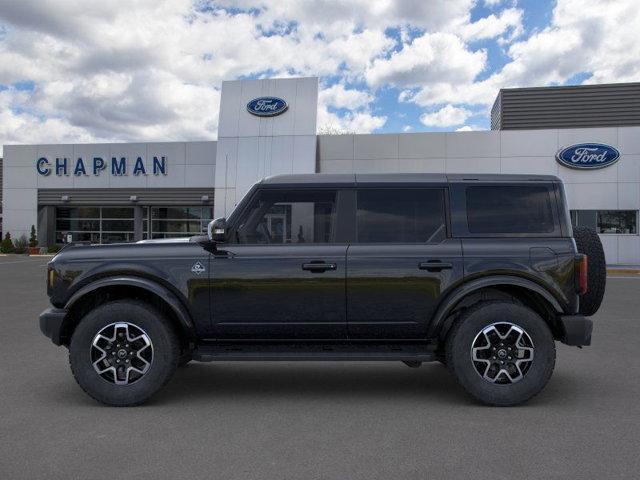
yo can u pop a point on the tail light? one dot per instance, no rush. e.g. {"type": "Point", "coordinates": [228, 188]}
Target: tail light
{"type": "Point", "coordinates": [582, 274]}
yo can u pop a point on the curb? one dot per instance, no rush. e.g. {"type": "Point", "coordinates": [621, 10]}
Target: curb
{"type": "Point", "coordinates": [629, 271]}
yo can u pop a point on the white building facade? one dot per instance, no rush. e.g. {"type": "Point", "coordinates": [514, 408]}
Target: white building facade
{"type": "Point", "coordinates": [124, 192]}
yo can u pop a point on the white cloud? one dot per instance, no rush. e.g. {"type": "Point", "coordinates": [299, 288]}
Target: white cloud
{"type": "Point", "coordinates": [509, 20]}
{"type": "Point", "coordinates": [492, 3]}
{"type": "Point", "coordinates": [338, 96]}
{"type": "Point", "coordinates": [151, 70]}
{"type": "Point", "coordinates": [585, 36]}
{"type": "Point", "coordinates": [432, 57]}
{"type": "Point", "coordinates": [407, 128]}
{"type": "Point", "coordinates": [469, 128]}
{"type": "Point", "coordinates": [447, 116]}
{"type": "Point", "coordinates": [351, 122]}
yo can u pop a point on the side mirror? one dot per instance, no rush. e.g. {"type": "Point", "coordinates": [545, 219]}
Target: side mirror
{"type": "Point", "coordinates": [217, 230]}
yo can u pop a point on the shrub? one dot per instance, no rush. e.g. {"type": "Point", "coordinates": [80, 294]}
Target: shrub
{"type": "Point", "coordinates": [7, 244]}
{"type": "Point", "coordinates": [53, 249]}
{"type": "Point", "coordinates": [20, 245]}
{"type": "Point", "coordinates": [33, 239]}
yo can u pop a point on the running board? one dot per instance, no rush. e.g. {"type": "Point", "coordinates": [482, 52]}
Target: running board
{"type": "Point", "coordinates": [403, 352]}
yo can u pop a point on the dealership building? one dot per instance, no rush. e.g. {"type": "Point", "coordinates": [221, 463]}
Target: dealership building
{"type": "Point", "coordinates": [589, 136]}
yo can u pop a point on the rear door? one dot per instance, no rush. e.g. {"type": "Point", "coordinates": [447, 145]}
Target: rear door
{"type": "Point", "coordinates": [401, 262]}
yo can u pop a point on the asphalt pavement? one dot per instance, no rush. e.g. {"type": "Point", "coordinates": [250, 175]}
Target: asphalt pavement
{"type": "Point", "coordinates": [316, 420]}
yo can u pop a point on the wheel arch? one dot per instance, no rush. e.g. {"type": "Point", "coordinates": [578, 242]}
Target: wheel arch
{"type": "Point", "coordinates": [127, 287]}
{"type": "Point", "coordinates": [509, 288]}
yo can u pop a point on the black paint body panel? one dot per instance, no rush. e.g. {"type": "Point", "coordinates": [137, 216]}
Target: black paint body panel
{"type": "Point", "coordinates": [375, 292]}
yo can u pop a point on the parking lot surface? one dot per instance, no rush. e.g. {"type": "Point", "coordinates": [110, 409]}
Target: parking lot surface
{"type": "Point", "coordinates": [316, 420]}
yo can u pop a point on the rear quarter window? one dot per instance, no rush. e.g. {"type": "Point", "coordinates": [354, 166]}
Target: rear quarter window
{"type": "Point", "coordinates": [509, 209]}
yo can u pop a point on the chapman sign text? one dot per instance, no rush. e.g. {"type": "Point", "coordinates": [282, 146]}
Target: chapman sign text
{"type": "Point", "coordinates": [117, 166]}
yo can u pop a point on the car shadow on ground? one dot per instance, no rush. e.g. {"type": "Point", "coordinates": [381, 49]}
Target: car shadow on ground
{"type": "Point", "coordinates": [237, 381]}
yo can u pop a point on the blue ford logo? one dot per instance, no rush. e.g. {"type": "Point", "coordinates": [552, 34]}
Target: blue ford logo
{"type": "Point", "coordinates": [588, 156]}
{"type": "Point", "coordinates": [267, 106]}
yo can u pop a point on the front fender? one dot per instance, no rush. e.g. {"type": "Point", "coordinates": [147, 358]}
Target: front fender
{"type": "Point", "coordinates": [449, 303]}
{"type": "Point", "coordinates": [184, 319]}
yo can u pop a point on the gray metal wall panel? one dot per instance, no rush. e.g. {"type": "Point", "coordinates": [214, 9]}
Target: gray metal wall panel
{"type": "Point", "coordinates": [567, 107]}
{"type": "Point", "coordinates": [121, 196]}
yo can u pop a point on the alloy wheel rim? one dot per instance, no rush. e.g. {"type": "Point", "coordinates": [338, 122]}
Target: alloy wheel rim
{"type": "Point", "coordinates": [502, 353]}
{"type": "Point", "coordinates": [121, 353]}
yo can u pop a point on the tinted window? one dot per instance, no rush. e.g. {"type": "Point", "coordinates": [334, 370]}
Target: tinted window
{"type": "Point", "coordinates": [509, 209]}
{"type": "Point", "coordinates": [288, 217]}
{"type": "Point", "coordinates": [401, 216]}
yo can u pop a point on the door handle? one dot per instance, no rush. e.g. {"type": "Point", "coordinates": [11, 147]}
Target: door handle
{"type": "Point", "coordinates": [435, 266]}
{"type": "Point", "coordinates": [318, 267]}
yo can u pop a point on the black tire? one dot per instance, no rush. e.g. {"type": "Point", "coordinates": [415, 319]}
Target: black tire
{"type": "Point", "coordinates": [459, 357]}
{"type": "Point", "coordinates": [589, 243]}
{"type": "Point", "coordinates": [165, 348]}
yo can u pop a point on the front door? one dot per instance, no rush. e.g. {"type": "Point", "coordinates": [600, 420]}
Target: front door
{"type": "Point", "coordinates": [282, 275]}
{"type": "Point", "coordinates": [401, 262]}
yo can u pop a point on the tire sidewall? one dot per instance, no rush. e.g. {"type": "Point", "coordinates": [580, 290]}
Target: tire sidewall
{"type": "Point", "coordinates": [165, 352]}
{"type": "Point", "coordinates": [460, 361]}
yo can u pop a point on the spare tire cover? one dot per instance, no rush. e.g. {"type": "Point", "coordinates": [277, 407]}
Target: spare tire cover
{"type": "Point", "coordinates": [588, 243]}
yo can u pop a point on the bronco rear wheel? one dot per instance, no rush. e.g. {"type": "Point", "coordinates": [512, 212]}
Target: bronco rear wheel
{"type": "Point", "coordinates": [501, 353]}
{"type": "Point", "coordinates": [122, 352]}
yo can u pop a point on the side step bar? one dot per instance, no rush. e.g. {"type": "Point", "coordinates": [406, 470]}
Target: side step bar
{"type": "Point", "coordinates": [414, 352]}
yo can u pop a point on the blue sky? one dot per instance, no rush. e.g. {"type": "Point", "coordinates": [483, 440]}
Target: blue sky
{"type": "Point", "coordinates": [77, 71]}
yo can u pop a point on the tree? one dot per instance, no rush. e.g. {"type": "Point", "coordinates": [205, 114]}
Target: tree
{"type": "Point", "coordinates": [33, 239]}
{"type": "Point", "coordinates": [7, 244]}
{"type": "Point", "coordinates": [20, 245]}
{"type": "Point", "coordinates": [333, 129]}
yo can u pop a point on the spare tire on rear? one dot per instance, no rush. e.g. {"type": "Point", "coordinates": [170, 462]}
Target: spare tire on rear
{"type": "Point", "coordinates": [589, 243]}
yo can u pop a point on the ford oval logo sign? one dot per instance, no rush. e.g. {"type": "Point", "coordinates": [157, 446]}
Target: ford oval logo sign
{"type": "Point", "coordinates": [267, 106]}
{"type": "Point", "coordinates": [588, 156]}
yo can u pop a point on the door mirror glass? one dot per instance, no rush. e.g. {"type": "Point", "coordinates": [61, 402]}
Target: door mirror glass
{"type": "Point", "coordinates": [217, 230]}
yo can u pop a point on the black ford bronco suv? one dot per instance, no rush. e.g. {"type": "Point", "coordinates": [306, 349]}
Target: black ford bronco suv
{"type": "Point", "coordinates": [480, 272]}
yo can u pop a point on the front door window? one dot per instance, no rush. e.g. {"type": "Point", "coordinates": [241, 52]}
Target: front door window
{"type": "Point", "coordinates": [280, 217]}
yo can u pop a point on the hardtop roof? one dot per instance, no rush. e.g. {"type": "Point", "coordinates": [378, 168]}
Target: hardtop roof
{"type": "Point", "coordinates": [326, 179]}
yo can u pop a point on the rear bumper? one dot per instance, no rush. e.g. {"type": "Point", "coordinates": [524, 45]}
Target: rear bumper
{"type": "Point", "coordinates": [576, 330]}
{"type": "Point", "coordinates": [51, 321]}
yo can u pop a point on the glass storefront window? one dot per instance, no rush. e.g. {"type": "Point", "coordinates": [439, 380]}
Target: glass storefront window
{"type": "Point", "coordinates": [171, 222]}
{"type": "Point", "coordinates": [116, 224]}
{"type": "Point", "coordinates": [94, 224]}
{"type": "Point", "coordinates": [607, 221]}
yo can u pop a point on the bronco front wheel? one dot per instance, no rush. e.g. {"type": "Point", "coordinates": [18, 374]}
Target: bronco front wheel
{"type": "Point", "coordinates": [122, 352]}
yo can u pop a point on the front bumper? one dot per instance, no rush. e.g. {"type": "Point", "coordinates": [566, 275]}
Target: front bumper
{"type": "Point", "coordinates": [51, 321]}
{"type": "Point", "coordinates": [576, 330]}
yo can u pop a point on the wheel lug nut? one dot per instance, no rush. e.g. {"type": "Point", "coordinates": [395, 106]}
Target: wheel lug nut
{"type": "Point", "coordinates": [113, 353]}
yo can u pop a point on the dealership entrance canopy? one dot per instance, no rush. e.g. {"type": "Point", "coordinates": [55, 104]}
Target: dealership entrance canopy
{"type": "Point", "coordinates": [589, 136]}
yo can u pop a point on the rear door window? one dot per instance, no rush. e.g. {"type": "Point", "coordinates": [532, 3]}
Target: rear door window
{"type": "Point", "coordinates": [509, 209]}
{"type": "Point", "coordinates": [401, 215]}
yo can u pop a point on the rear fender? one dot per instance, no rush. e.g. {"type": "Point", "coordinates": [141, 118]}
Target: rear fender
{"type": "Point", "coordinates": [447, 306]}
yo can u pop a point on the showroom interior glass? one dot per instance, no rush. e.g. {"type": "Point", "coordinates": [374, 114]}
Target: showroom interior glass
{"type": "Point", "coordinates": [116, 224]}
{"type": "Point", "coordinates": [168, 222]}
{"type": "Point", "coordinates": [607, 221]}
{"type": "Point", "coordinates": [94, 224]}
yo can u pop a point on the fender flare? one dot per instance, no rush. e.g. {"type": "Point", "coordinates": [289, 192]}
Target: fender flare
{"type": "Point", "coordinates": [184, 318]}
{"type": "Point", "coordinates": [453, 298]}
